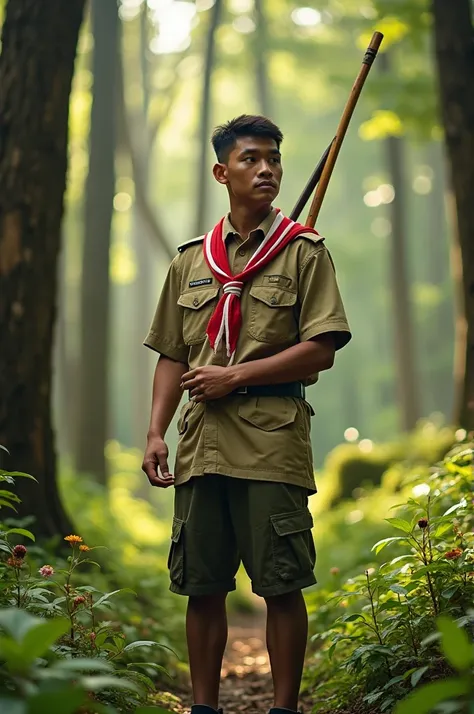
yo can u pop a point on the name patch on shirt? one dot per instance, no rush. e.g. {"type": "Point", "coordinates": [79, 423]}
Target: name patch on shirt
{"type": "Point", "coordinates": [198, 283]}
{"type": "Point", "coordinates": [278, 280]}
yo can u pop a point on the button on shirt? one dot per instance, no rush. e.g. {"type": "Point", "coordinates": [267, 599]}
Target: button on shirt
{"type": "Point", "coordinates": [294, 298]}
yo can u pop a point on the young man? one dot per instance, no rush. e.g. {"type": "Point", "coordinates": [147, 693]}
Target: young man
{"type": "Point", "coordinates": [248, 315]}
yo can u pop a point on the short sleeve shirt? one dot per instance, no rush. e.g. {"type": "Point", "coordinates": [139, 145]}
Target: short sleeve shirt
{"type": "Point", "coordinates": [293, 299]}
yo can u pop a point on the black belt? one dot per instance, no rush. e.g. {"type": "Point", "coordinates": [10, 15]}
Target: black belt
{"type": "Point", "coordinates": [289, 389]}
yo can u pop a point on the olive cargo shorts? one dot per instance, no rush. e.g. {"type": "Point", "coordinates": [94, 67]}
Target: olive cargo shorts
{"type": "Point", "coordinates": [221, 520]}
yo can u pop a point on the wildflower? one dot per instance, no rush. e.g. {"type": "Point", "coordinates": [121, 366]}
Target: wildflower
{"type": "Point", "coordinates": [84, 548]}
{"type": "Point", "coordinates": [73, 539]}
{"type": "Point", "coordinates": [92, 636]}
{"type": "Point", "coordinates": [334, 571]}
{"type": "Point", "coordinates": [79, 600]}
{"type": "Point", "coordinates": [453, 554]}
{"type": "Point", "coordinates": [370, 571]}
{"type": "Point", "coordinates": [46, 571]}
{"type": "Point", "coordinates": [19, 551]}
{"type": "Point", "coordinates": [15, 562]}
{"type": "Point", "coordinates": [423, 523]}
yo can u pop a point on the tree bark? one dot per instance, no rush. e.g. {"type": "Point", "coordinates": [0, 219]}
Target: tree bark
{"type": "Point", "coordinates": [202, 179]}
{"type": "Point", "coordinates": [100, 189]}
{"type": "Point", "coordinates": [407, 387]}
{"type": "Point", "coordinates": [454, 49]}
{"type": "Point", "coordinates": [39, 42]}
{"type": "Point", "coordinates": [260, 54]}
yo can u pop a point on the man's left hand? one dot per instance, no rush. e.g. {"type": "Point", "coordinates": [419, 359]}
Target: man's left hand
{"type": "Point", "coordinates": [211, 382]}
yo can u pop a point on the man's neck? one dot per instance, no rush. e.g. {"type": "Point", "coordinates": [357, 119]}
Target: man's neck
{"type": "Point", "coordinates": [245, 219]}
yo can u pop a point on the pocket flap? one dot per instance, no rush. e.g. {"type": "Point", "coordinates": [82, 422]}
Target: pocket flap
{"type": "Point", "coordinates": [294, 522]}
{"type": "Point", "coordinates": [195, 299]}
{"type": "Point", "coordinates": [273, 296]}
{"type": "Point", "coordinates": [176, 529]}
{"type": "Point", "coordinates": [268, 413]}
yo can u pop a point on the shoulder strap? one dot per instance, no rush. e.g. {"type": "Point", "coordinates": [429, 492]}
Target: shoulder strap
{"type": "Point", "coordinates": [193, 241]}
{"type": "Point", "coordinates": [311, 236]}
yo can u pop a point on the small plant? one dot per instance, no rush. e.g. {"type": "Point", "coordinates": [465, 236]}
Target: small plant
{"type": "Point", "coordinates": [373, 636]}
{"type": "Point", "coordinates": [57, 654]}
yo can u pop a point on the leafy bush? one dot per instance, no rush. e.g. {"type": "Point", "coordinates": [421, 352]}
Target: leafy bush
{"type": "Point", "coordinates": [373, 634]}
{"type": "Point", "coordinates": [352, 466]}
{"type": "Point", "coordinates": [57, 653]}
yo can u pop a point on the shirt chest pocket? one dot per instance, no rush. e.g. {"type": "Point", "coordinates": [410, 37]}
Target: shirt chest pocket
{"type": "Point", "coordinates": [198, 306]}
{"type": "Point", "coordinates": [273, 315]}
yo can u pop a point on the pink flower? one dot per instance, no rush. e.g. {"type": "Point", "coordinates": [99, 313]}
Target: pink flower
{"type": "Point", "coordinates": [46, 571]}
{"type": "Point", "coordinates": [19, 551]}
{"type": "Point", "coordinates": [79, 600]}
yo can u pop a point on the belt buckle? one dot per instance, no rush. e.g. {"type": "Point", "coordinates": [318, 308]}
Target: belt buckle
{"type": "Point", "coordinates": [242, 390]}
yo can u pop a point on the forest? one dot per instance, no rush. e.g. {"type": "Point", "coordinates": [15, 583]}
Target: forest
{"type": "Point", "coordinates": [106, 113]}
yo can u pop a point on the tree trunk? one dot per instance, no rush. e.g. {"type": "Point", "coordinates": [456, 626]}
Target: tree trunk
{"type": "Point", "coordinates": [100, 189]}
{"type": "Point", "coordinates": [260, 54]}
{"type": "Point", "coordinates": [39, 42]}
{"type": "Point", "coordinates": [407, 387]}
{"type": "Point", "coordinates": [454, 48]}
{"type": "Point", "coordinates": [202, 179]}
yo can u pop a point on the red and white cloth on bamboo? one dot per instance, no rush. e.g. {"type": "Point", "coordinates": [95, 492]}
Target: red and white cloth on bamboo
{"type": "Point", "coordinates": [226, 320]}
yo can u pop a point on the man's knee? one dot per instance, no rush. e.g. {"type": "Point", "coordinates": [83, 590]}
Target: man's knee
{"type": "Point", "coordinates": [205, 603]}
{"type": "Point", "coordinates": [285, 601]}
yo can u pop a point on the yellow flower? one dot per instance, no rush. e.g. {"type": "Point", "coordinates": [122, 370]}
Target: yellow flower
{"type": "Point", "coordinates": [73, 539]}
{"type": "Point", "coordinates": [84, 548]}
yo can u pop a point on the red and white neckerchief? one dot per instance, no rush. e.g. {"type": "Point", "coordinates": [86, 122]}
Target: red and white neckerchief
{"type": "Point", "coordinates": [226, 319]}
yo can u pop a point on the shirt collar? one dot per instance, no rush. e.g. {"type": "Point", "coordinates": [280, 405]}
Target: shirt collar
{"type": "Point", "coordinates": [229, 230]}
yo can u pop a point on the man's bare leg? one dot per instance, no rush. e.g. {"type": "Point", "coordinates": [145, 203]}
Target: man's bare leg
{"type": "Point", "coordinates": [206, 632]}
{"type": "Point", "coordinates": [287, 633]}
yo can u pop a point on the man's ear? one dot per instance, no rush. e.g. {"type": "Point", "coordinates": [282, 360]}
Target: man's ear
{"type": "Point", "coordinates": [220, 173]}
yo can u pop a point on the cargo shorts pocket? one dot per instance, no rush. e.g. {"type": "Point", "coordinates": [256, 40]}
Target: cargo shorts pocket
{"type": "Point", "coordinates": [294, 554]}
{"type": "Point", "coordinates": [176, 554]}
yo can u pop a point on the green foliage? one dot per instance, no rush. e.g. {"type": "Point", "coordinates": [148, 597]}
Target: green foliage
{"type": "Point", "coordinates": [404, 623]}
{"type": "Point", "coordinates": [58, 653]}
{"type": "Point", "coordinates": [351, 467]}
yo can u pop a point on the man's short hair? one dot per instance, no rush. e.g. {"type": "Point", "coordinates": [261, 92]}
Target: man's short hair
{"type": "Point", "coordinates": [225, 136]}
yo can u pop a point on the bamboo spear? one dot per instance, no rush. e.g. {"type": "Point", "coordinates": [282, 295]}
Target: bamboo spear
{"type": "Point", "coordinates": [326, 164]}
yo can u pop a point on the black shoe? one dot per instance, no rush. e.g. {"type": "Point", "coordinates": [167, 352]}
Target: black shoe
{"type": "Point", "coordinates": [204, 709]}
{"type": "Point", "coordinates": [282, 710]}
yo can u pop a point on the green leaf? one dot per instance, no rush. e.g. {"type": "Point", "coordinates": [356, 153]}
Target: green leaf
{"type": "Point", "coordinates": [39, 639]}
{"type": "Point", "coordinates": [455, 643]}
{"type": "Point", "coordinates": [22, 532]}
{"type": "Point", "coordinates": [96, 684]}
{"type": "Point", "coordinates": [151, 710]}
{"type": "Point", "coordinates": [9, 494]}
{"type": "Point", "coordinates": [84, 664]}
{"type": "Point", "coordinates": [17, 622]}
{"type": "Point", "coordinates": [417, 675]}
{"type": "Point", "coordinates": [151, 665]}
{"type": "Point", "coordinates": [443, 528]}
{"type": "Point", "coordinates": [398, 589]}
{"type": "Point", "coordinates": [455, 507]}
{"type": "Point", "coordinates": [102, 600]}
{"type": "Point", "coordinates": [3, 502]}
{"type": "Point", "coordinates": [352, 618]}
{"type": "Point", "coordinates": [141, 643]}
{"type": "Point", "coordinates": [12, 706]}
{"type": "Point", "coordinates": [64, 701]}
{"type": "Point", "coordinates": [400, 523]}
{"type": "Point", "coordinates": [21, 474]}
{"type": "Point", "coordinates": [380, 545]}
{"type": "Point", "coordinates": [423, 700]}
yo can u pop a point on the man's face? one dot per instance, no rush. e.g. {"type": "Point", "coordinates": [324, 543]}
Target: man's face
{"type": "Point", "coordinates": [253, 170]}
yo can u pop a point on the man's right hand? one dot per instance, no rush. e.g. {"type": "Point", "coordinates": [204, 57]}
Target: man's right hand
{"type": "Point", "coordinates": [155, 463]}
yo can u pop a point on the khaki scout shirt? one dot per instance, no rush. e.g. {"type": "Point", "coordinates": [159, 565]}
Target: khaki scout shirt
{"type": "Point", "coordinates": [292, 299]}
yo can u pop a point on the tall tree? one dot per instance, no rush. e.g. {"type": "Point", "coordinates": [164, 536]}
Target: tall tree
{"type": "Point", "coordinates": [100, 189]}
{"type": "Point", "coordinates": [454, 49]}
{"type": "Point", "coordinates": [261, 59]}
{"type": "Point", "coordinates": [39, 40]}
{"type": "Point", "coordinates": [407, 387]}
{"type": "Point", "coordinates": [202, 181]}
